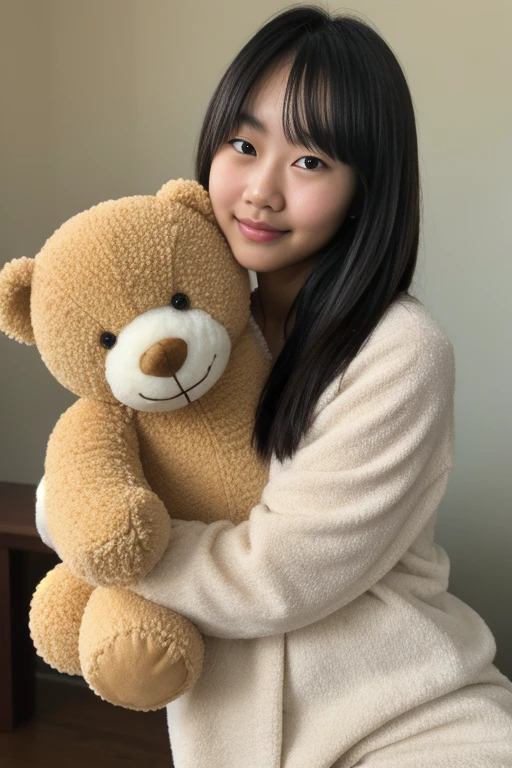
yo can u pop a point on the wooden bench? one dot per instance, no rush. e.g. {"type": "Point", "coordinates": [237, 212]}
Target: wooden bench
{"type": "Point", "coordinates": [18, 537]}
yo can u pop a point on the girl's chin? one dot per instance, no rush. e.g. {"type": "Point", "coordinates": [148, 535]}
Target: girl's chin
{"type": "Point", "coordinates": [263, 263]}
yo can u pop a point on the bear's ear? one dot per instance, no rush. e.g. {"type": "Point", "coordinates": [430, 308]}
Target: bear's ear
{"type": "Point", "coordinates": [15, 286]}
{"type": "Point", "coordinates": [190, 193]}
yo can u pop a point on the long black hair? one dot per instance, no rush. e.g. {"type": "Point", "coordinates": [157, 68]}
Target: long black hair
{"type": "Point", "coordinates": [365, 118]}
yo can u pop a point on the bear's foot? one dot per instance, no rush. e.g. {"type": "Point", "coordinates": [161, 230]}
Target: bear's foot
{"type": "Point", "coordinates": [136, 654]}
{"type": "Point", "coordinates": [56, 611]}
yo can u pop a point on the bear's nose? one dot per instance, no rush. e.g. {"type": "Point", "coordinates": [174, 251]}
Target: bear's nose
{"type": "Point", "coordinates": [164, 358]}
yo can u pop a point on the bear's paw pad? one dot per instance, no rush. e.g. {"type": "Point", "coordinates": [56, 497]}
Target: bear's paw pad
{"type": "Point", "coordinates": [140, 671]}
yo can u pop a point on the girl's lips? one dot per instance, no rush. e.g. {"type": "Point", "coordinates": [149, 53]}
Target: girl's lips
{"type": "Point", "coordinates": [259, 235]}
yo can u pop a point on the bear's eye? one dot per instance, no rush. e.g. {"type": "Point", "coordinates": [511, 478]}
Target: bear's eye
{"type": "Point", "coordinates": [108, 340]}
{"type": "Point", "coordinates": [180, 301]}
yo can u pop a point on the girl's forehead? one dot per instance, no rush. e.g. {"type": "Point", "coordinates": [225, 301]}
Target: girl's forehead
{"type": "Point", "coordinates": [268, 92]}
{"type": "Point", "coordinates": [269, 89]}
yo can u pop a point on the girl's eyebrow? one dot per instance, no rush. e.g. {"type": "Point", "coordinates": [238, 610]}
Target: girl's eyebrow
{"type": "Point", "coordinates": [245, 118]}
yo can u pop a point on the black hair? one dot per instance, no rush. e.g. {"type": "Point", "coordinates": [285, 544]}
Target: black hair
{"type": "Point", "coordinates": [370, 261]}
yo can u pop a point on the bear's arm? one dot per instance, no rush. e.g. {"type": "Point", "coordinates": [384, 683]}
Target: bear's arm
{"type": "Point", "coordinates": [104, 519]}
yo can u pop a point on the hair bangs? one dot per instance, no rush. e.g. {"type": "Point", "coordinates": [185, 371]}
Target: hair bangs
{"type": "Point", "coordinates": [312, 113]}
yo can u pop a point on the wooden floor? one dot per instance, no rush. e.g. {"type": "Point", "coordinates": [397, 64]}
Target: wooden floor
{"type": "Point", "coordinates": [74, 728]}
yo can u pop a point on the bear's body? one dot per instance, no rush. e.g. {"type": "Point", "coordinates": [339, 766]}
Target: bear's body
{"type": "Point", "coordinates": [138, 307]}
{"type": "Point", "coordinates": [222, 436]}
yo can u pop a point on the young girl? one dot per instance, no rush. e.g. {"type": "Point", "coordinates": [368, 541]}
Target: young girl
{"type": "Point", "coordinates": [331, 640]}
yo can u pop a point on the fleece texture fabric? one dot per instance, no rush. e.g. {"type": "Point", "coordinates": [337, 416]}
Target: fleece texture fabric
{"type": "Point", "coordinates": [331, 639]}
{"type": "Point", "coordinates": [160, 431]}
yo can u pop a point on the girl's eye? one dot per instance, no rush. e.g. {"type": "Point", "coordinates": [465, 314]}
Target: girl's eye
{"type": "Point", "coordinates": [308, 159]}
{"type": "Point", "coordinates": [243, 143]}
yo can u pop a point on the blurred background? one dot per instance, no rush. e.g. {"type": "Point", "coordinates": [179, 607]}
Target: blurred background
{"type": "Point", "coordinates": [105, 98]}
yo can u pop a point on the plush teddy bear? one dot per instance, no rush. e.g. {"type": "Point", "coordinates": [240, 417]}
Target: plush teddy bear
{"type": "Point", "coordinates": [138, 307]}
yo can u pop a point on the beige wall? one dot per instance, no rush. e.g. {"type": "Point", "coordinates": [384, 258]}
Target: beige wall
{"type": "Point", "coordinates": [104, 98]}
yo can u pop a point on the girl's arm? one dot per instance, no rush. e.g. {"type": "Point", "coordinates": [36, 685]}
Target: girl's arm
{"type": "Point", "coordinates": [339, 515]}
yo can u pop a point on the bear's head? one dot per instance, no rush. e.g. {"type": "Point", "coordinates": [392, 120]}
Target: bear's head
{"type": "Point", "coordinates": [137, 300]}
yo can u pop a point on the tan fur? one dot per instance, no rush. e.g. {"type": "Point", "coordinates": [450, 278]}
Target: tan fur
{"type": "Point", "coordinates": [115, 476]}
{"type": "Point", "coordinates": [15, 300]}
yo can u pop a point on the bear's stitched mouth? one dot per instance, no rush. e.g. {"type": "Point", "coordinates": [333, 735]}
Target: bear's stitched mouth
{"type": "Point", "coordinates": [183, 391]}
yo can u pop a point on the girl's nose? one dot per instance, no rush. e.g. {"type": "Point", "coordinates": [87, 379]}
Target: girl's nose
{"type": "Point", "coordinates": [264, 189]}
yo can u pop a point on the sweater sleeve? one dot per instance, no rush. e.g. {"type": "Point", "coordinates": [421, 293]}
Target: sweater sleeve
{"type": "Point", "coordinates": [338, 515]}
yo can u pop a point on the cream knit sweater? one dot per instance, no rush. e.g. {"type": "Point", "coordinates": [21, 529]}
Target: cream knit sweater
{"type": "Point", "coordinates": [326, 613]}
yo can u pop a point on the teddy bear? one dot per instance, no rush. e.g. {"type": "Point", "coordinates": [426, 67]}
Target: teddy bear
{"type": "Point", "coordinates": [139, 308]}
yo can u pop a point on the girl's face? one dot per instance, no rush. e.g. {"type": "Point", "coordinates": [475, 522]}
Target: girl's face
{"type": "Point", "coordinates": [260, 176]}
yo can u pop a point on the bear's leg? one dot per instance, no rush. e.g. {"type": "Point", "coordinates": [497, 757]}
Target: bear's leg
{"type": "Point", "coordinates": [135, 653]}
{"type": "Point", "coordinates": [56, 612]}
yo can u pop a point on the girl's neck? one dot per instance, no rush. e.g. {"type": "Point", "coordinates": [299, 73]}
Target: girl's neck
{"type": "Point", "coordinates": [276, 292]}
{"type": "Point", "coordinates": [272, 299]}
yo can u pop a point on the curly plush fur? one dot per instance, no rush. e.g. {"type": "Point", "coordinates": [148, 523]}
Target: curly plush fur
{"type": "Point", "coordinates": [138, 307]}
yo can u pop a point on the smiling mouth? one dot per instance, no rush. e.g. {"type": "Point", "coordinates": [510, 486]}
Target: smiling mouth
{"type": "Point", "coordinates": [183, 391]}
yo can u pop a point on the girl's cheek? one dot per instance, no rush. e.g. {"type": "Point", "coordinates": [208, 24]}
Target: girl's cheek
{"type": "Point", "coordinates": [321, 209]}
{"type": "Point", "coordinates": [222, 182]}
{"type": "Point", "coordinates": [216, 192]}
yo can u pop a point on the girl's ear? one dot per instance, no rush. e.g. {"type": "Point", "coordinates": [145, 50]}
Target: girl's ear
{"type": "Point", "coordinates": [15, 287]}
{"type": "Point", "coordinates": [189, 193]}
